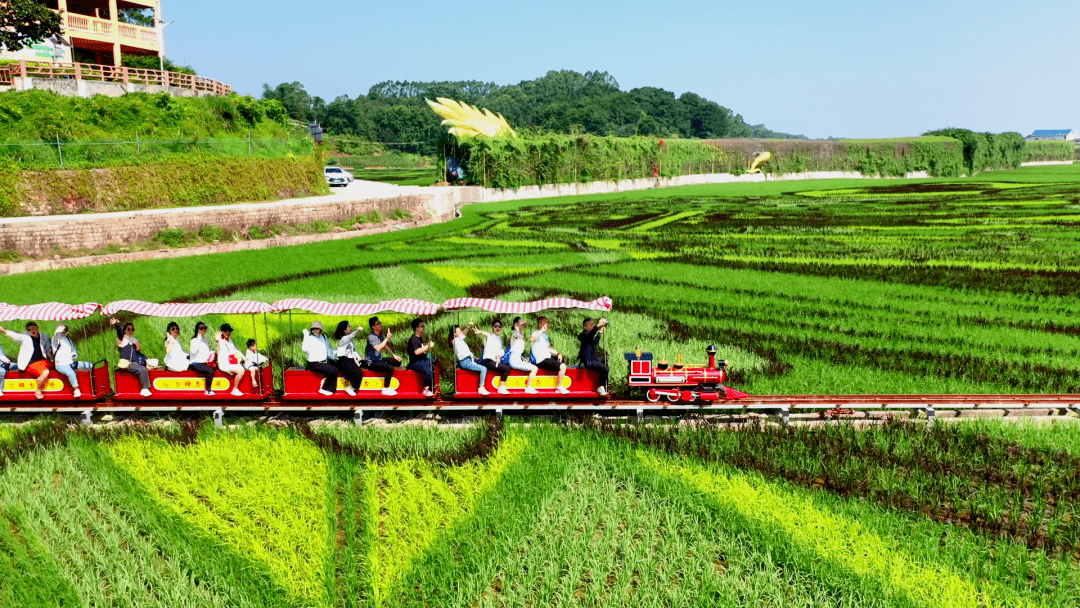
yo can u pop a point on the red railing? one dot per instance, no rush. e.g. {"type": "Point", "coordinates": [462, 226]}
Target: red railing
{"type": "Point", "coordinates": [109, 73]}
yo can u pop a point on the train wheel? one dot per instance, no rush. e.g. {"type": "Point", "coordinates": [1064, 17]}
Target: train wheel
{"type": "Point", "coordinates": [673, 398]}
{"type": "Point", "coordinates": [651, 396]}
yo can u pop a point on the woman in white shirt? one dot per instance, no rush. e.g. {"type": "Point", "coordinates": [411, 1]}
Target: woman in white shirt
{"type": "Point", "coordinates": [321, 359]}
{"type": "Point", "coordinates": [465, 359]}
{"type": "Point", "coordinates": [348, 360]}
{"type": "Point", "coordinates": [176, 360]}
{"type": "Point", "coordinates": [517, 352]}
{"type": "Point", "coordinates": [202, 358]}
{"type": "Point", "coordinates": [230, 359]}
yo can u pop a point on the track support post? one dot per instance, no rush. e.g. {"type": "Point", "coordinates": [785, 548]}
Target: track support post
{"type": "Point", "coordinates": [86, 418]}
{"type": "Point", "coordinates": [930, 413]}
{"type": "Point", "coordinates": [219, 418]}
{"type": "Point", "coordinates": [785, 415]}
{"type": "Point", "coordinates": [640, 416]}
{"type": "Point", "coordinates": [358, 417]}
{"type": "Point", "coordinates": [498, 414]}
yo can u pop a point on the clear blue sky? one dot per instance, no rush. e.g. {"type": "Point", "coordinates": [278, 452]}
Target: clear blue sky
{"type": "Point", "coordinates": [851, 69]}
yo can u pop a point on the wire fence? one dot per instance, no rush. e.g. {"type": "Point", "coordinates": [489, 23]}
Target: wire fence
{"type": "Point", "coordinates": [52, 154]}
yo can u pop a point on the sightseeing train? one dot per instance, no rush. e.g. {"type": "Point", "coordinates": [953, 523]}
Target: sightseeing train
{"type": "Point", "coordinates": [698, 384]}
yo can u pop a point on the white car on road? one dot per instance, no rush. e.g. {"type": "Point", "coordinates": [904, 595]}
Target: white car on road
{"type": "Point", "coordinates": [336, 176]}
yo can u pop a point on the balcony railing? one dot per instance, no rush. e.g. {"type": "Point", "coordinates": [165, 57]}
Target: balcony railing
{"type": "Point", "coordinates": [108, 73]}
{"type": "Point", "coordinates": [104, 27]}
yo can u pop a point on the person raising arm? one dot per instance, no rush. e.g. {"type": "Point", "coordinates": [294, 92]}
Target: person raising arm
{"type": "Point", "coordinates": [547, 358]}
{"type": "Point", "coordinates": [378, 346]}
{"type": "Point", "coordinates": [419, 359]}
{"type": "Point", "coordinates": [493, 353]}
{"type": "Point", "coordinates": [35, 352]}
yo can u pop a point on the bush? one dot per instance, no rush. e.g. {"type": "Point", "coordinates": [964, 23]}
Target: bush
{"type": "Point", "coordinates": [1049, 150]}
{"type": "Point", "coordinates": [987, 150]}
{"type": "Point", "coordinates": [211, 233]}
{"type": "Point", "coordinates": [173, 237]}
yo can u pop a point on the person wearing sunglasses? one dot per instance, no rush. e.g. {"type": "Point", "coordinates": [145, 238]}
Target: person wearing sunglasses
{"type": "Point", "coordinates": [493, 354]}
{"type": "Point", "coordinates": [35, 354]}
{"type": "Point", "coordinates": [202, 357]}
{"type": "Point", "coordinates": [230, 359]}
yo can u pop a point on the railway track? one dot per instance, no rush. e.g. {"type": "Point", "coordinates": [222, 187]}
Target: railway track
{"type": "Point", "coordinates": [782, 406]}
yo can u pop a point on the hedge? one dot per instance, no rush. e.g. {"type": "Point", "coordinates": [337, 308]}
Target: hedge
{"type": "Point", "coordinates": [1050, 150]}
{"type": "Point", "coordinates": [176, 182]}
{"type": "Point", "coordinates": [505, 162]}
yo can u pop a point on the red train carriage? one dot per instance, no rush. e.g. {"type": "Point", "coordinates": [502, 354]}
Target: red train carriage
{"type": "Point", "coordinates": [581, 383]}
{"type": "Point", "coordinates": [93, 383]}
{"type": "Point", "coordinates": [302, 385]}
{"type": "Point", "coordinates": [167, 385]}
{"type": "Point", "coordinates": [677, 382]}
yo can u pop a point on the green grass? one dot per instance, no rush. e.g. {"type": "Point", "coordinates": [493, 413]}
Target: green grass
{"type": "Point", "coordinates": [420, 176]}
{"type": "Point", "coordinates": [550, 514]}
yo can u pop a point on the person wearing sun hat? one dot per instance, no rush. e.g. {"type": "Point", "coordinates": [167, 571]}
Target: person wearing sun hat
{"type": "Point", "coordinates": [321, 359]}
{"type": "Point", "coordinates": [230, 359]}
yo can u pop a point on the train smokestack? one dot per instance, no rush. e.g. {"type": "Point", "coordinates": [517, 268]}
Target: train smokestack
{"type": "Point", "coordinates": [712, 356]}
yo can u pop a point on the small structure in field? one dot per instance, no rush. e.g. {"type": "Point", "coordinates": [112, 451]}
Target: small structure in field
{"type": "Point", "coordinates": [1052, 134]}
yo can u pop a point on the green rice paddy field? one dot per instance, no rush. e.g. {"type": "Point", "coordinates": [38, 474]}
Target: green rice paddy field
{"type": "Point", "coordinates": [858, 286]}
{"type": "Point", "coordinates": [807, 287]}
{"type": "Point", "coordinates": [183, 515]}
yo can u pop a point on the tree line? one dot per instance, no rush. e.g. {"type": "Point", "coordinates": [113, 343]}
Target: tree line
{"type": "Point", "coordinates": [558, 102]}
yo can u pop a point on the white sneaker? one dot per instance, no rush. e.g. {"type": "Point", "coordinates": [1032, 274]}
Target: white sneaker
{"type": "Point", "coordinates": [326, 392]}
{"type": "Point", "coordinates": [389, 392]}
{"type": "Point", "coordinates": [503, 390]}
{"type": "Point", "coordinates": [209, 393]}
{"type": "Point", "coordinates": [350, 391]}
{"type": "Point", "coordinates": [236, 393]}
{"type": "Point", "coordinates": [428, 393]}
{"type": "Point", "coordinates": [145, 392]}
{"type": "Point", "coordinates": [77, 393]}
{"type": "Point", "coordinates": [530, 390]}
{"type": "Point", "coordinates": [563, 390]}
{"type": "Point", "coordinates": [484, 391]}
{"type": "Point", "coordinates": [602, 391]}
{"type": "Point", "coordinates": [1, 393]}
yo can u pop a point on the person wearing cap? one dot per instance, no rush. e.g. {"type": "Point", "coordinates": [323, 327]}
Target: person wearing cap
{"type": "Point", "coordinates": [547, 358]}
{"type": "Point", "coordinates": [35, 354]}
{"type": "Point", "coordinates": [349, 362]}
{"type": "Point", "coordinates": [377, 345]}
{"type": "Point", "coordinates": [230, 359]}
{"type": "Point", "coordinates": [65, 358]}
{"type": "Point", "coordinates": [493, 353]}
{"type": "Point", "coordinates": [321, 359]}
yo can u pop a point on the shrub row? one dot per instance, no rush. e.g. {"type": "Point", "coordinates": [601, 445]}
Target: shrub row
{"type": "Point", "coordinates": [175, 182]}
{"type": "Point", "coordinates": [506, 162]}
{"type": "Point", "coordinates": [1050, 150]}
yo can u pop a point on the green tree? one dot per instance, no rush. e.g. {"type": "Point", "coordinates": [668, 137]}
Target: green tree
{"type": "Point", "coordinates": [23, 22]}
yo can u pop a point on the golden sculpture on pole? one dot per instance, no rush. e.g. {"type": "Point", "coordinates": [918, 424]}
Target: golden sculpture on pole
{"type": "Point", "coordinates": [468, 120]}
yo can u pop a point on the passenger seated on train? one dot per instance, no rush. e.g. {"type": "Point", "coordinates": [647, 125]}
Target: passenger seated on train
{"type": "Point", "coordinates": [377, 345]}
{"type": "Point", "coordinates": [465, 359]}
{"type": "Point", "coordinates": [420, 356]}
{"type": "Point", "coordinates": [547, 358]}
{"type": "Point", "coordinates": [230, 359]}
{"type": "Point", "coordinates": [202, 358]}
{"type": "Point", "coordinates": [517, 352]}
{"type": "Point", "coordinates": [6, 365]}
{"type": "Point", "coordinates": [132, 359]}
{"type": "Point", "coordinates": [587, 356]}
{"type": "Point", "coordinates": [349, 362]}
{"type": "Point", "coordinates": [493, 354]}
{"type": "Point", "coordinates": [65, 358]}
{"type": "Point", "coordinates": [321, 359]}
{"type": "Point", "coordinates": [176, 360]}
{"type": "Point", "coordinates": [35, 354]}
{"type": "Point", "coordinates": [253, 362]}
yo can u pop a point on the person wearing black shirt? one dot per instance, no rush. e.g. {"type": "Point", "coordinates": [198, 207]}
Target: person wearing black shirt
{"type": "Point", "coordinates": [418, 356]}
{"type": "Point", "coordinates": [377, 346]}
{"type": "Point", "coordinates": [587, 352]}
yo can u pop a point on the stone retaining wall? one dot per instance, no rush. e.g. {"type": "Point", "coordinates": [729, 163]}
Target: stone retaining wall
{"type": "Point", "coordinates": [40, 236]}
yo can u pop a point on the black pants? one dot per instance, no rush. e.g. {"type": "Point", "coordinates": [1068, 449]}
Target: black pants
{"type": "Point", "coordinates": [598, 366]}
{"type": "Point", "coordinates": [352, 372]}
{"type": "Point", "coordinates": [386, 368]}
{"type": "Point", "coordinates": [551, 364]}
{"type": "Point", "coordinates": [497, 366]}
{"type": "Point", "coordinates": [329, 383]}
{"type": "Point", "coordinates": [205, 370]}
{"type": "Point", "coordinates": [424, 367]}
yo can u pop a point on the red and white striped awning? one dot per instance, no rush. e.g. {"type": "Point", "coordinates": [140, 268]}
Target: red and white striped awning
{"type": "Point", "coordinates": [172, 309]}
{"type": "Point", "coordinates": [603, 303]}
{"type": "Point", "coordinates": [49, 311]}
{"type": "Point", "coordinates": [333, 309]}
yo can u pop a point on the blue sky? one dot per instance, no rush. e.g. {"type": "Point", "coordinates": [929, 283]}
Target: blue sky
{"type": "Point", "coordinates": [851, 69]}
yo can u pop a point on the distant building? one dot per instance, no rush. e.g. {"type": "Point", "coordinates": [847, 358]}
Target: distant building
{"type": "Point", "coordinates": [98, 31]}
{"type": "Point", "coordinates": [1045, 134]}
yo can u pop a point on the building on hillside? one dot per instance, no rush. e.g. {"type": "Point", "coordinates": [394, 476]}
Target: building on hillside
{"type": "Point", "coordinates": [1050, 134]}
{"type": "Point", "coordinates": [100, 32]}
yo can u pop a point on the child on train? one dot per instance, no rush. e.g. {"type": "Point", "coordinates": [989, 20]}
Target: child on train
{"type": "Point", "coordinates": [253, 362]}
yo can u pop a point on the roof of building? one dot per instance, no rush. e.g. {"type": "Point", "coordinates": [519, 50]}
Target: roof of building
{"type": "Point", "coordinates": [1049, 132]}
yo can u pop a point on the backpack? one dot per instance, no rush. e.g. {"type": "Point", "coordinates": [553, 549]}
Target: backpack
{"type": "Point", "coordinates": [506, 357]}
